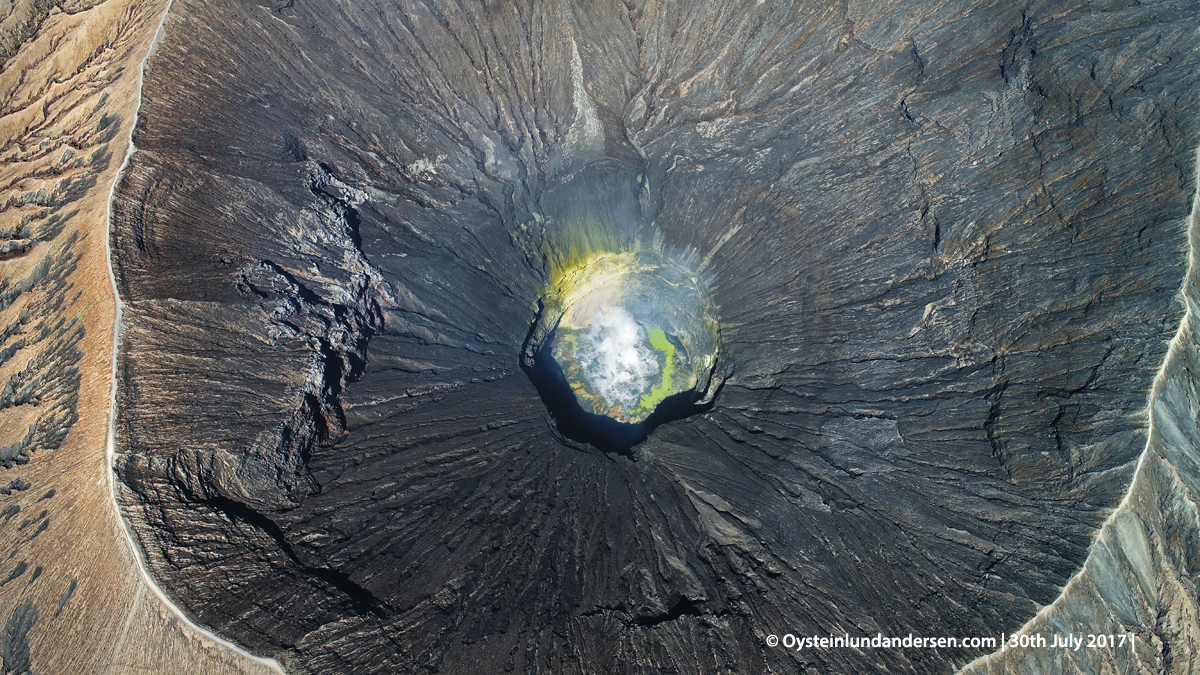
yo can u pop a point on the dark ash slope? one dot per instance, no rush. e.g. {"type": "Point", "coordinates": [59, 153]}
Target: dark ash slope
{"type": "Point", "coordinates": [947, 240]}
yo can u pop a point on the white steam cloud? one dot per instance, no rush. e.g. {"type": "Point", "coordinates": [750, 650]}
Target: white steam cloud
{"type": "Point", "coordinates": [616, 359]}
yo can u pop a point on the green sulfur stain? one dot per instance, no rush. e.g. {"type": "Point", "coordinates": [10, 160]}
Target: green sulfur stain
{"type": "Point", "coordinates": [658, 340]}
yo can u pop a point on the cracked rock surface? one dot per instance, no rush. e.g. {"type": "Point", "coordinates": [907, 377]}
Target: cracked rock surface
{"type": "Point", "coordinates": [946, 238]}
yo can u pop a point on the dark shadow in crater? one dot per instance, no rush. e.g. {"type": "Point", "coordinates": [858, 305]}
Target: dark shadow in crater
{"type": "Point", "coordinates": [600, 431]}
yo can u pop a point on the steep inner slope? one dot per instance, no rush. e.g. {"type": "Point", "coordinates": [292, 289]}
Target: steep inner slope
{"type": "Point", "coordinates": [945, 240]}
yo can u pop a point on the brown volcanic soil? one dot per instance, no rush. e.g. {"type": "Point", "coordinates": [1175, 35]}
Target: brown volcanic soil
{"type": "Point", "coordinates": [72, 598]}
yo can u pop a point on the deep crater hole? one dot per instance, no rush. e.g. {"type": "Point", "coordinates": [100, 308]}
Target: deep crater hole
{"type": "Point", "coordinates": [623, 343]}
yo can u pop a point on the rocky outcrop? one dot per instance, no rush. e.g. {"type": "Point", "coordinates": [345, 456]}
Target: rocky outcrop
{"type": "Point", "coordinates": [945, 242]}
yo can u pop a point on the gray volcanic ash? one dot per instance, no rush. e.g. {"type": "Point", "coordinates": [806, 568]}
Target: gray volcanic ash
{"type": "Point", "coordinates": [945, 242]}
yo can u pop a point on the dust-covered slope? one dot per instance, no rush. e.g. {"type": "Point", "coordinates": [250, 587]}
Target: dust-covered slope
{"type": "Point", "coordinates": [945, 241]}
{"type": "Point", "coordinates": [72, 596]}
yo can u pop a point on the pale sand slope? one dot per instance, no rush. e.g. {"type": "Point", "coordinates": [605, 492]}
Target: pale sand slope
{"type": "Point", "coordinates": [69, 95]}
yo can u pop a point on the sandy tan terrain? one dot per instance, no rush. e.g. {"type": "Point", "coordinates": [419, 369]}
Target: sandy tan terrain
{"type": "Point", "coordinates": [73, 597]}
